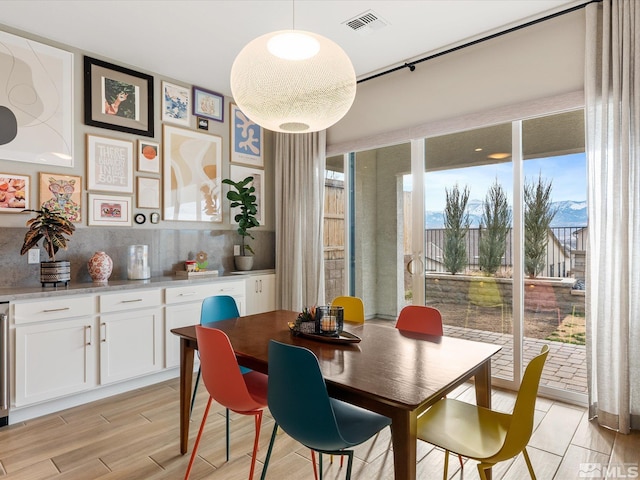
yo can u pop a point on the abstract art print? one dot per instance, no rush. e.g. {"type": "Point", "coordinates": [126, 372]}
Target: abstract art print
{"type": "Point", "coordinates": [36, 102]}
{"type": "Point", "coordinates": [208, 104]}
{"type": "Point", "coordinates": [176, 101]}
{"type": "Point", "coordinates": [109, 210]}
{"type": "Point", "coordinates": [192, 184]}
{"type": "Point", "coordinates": [246, 139]}
{"type": "Point", "coordinates": [148, 156]}
{"type": "Point", "coordinates": [62, 193]}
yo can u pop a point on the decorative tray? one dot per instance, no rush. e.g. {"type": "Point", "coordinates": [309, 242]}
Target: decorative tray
{"type": "Point", "coordinates": [342, 337]}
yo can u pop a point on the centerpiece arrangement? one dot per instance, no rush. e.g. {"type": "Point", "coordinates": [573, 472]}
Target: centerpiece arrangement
{"type": "Point", "coordinates": [319, 320]}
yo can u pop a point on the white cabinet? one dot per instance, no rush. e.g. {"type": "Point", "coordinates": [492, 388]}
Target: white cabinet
{"type": "Point", "coordinates": [183, 306]}
{"type": "Point", "coordinates": [55, 348]}
{"type": "Point", "coordinates": [261, 293]}
{"type": "Point", "coordinates": [131, 335]}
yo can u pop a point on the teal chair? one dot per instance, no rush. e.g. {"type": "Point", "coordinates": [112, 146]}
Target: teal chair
{"type": "Point", "coordinates": [299, 403]}
{"type": "Point", "coordinates": [214, 309]}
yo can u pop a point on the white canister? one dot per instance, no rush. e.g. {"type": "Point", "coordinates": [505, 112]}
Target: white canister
{"type": "Point", "coordinates": [138, 263]}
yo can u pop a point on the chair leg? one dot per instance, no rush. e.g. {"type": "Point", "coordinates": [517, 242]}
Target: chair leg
{"type": "Point", "coordinates": [193, 397]}
{"type": "Point", "coordinates": [258, 420]}
{"type": "Point", "coordinates": [482, 470]}
{"type": "Point", "coordinates": [313, 462]}
{"type": "Point", "coordinates": [349, 454]}
{"type": "Point", "coordinates": [266, 459]}
{"type": "Point", "coordinates": [446, 465]}
{"type": "Point", "coordinates": [195, 446]}
{"type": "Point", "coordinates": [529, 466]}
{"type": "Point", "coordinates": [320, 464]}
{"type": "Point", "coordinates": [228, 433]}
{"type": "Point", "coordinates": [461, 462]}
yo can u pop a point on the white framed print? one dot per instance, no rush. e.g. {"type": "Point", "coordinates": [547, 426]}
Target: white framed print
{"type": "Point", "coordinates": [109, 210]}
{"type": "Point", "coordinates": [148, 156]}
{"type": "Point", "coordinates": [176, 103]}
{"type": "Point", "coordinates": [148, 192]}
{"type": "Point", "coordinates": [109, 164]}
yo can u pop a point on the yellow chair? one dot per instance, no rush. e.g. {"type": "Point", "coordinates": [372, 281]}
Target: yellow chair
{"type": "Point", "coordinates": [353, 308]}
{"type": "Point", "coordinates": [483, 434]}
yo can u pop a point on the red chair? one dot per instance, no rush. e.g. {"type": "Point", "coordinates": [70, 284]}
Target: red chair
{"type": "Point", "coordinates": [420, 319]}
{"type": "Point", "coordinates": [244, 394]}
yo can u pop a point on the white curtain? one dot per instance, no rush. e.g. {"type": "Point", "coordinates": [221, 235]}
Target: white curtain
{"type": "Point", "coordinates": [300, 165]}
{"type": "Point", "coordinates": [612, 89]}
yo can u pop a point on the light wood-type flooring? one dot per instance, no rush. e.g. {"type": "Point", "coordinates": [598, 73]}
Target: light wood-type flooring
{"type": "Point", "coordinates": [134, 436]}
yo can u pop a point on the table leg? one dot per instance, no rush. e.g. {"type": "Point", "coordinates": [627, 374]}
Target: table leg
{"type": "Point", "coordinates": [404, 427]}
{"type": "Point", "coordinates": [186, 379]}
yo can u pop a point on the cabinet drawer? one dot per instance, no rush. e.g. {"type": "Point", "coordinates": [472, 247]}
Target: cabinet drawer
{"type": "Point", "coordinates": [194, 293]}
{"type": "Point", "coordinates": [53, 309]}
{"type": "Point", "coordinates": [130, 300]}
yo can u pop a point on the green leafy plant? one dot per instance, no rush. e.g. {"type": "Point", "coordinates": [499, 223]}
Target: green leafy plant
{"type": "Point", "coordinates": [244, 198]}
{"type": "Point", "coordinates": [538, 215]}
{"type": "Point", "coordinates": [496, 220]}
{"type": "Point", "coordinates": [50, 226]}
{"type": "Point", "coordinates": [456, 226]}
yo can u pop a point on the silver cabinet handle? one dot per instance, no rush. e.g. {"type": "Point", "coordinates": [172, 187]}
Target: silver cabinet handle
{"type": "Point", "coordinates": [56, 310]}
{"type": "Point", "coordinates": [189, 294]}
{"type": "Point", "coordinates": [132, 301]}
{"type": "Point", "coordinates": [88, 329]}
{"type": "Point", "coordinates": [103, 328]}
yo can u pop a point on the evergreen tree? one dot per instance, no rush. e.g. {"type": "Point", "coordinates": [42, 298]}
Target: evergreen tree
{"type": "Point", "coordinates": [496, 221]}
{"type": "Point", "coordinates": [456, 226]}
{"type": "Point", "coordinates": [538, 215]}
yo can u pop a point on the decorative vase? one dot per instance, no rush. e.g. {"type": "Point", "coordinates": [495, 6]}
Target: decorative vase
{"type": "Point", "coordinates": [100, 267]}
{"type": "Point", "coordinates": [243, 262]}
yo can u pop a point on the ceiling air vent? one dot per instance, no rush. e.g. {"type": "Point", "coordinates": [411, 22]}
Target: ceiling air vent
{"type": "Point", "coordinates": [366, 22]}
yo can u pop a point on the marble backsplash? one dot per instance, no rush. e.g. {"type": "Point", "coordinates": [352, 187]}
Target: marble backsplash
{"type": "Point", "coordinates": [168, 249]}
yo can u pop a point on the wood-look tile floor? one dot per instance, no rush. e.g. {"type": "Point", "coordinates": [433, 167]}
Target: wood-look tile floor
{"type": "Point", "coordinates": [134, 436]}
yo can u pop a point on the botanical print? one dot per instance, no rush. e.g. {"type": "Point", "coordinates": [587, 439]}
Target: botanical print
{"type": "Point", "coordinates": [192, 175]}
{"type": "Point", "coordinates": [14, 192]}
{"type": "Point", "coordinates": [246, 139]}
{"type": "Point", "coordinates": [36, 102]}
{"type": "Point", "coordinates": [61, 193]}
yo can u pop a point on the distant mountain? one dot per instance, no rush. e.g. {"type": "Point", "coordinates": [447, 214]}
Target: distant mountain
{"type": "Point", "coordinates": [569, 214]}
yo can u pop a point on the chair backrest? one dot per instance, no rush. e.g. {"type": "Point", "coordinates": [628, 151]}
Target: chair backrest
{"type": "Point", "coordinates": [521, 425]}
{"type": "Point", "coordinates": [353, 308]}
{"type": "Point", "coordinates": [218, 307]}
{"type": "Point", "coordinates": [420, 319]}
{"type": "Point", "coordinates": [221, 372]}
{"type": "Point", "coordinates": [298, 399]}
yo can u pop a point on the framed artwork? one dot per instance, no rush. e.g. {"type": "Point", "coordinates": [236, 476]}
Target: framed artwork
{"type": "Point", "coordinates": [246, 139]}
{"type": "Point", "coordinates": [237, 173]}
{"type": "Point", "coordinates": [109, 164]}
{"type": "Point", "coordinates": [62, 193]}
{"type": "Point", "coordinates": [14, 193]}
{"type": "Point", "coordinates": [36, 102]}
{"type": "Point", "coordinates": [109, 210]}
{"type": "Point", "coordinates": [117, 98]}
{"type": "Point", "coordinates": [148, 192]}
{"type": "Point", "coordinates": [148, 156]}
{"type": "Point", "coordinates": [192, 185]}
{"type": "Point", "coordinates": [176, 101]}
{"type": "Point", "coordinates": [208, 104]}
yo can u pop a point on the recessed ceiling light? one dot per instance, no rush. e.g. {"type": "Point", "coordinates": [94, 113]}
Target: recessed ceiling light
{"type": "Point", "coordinates": [499, 156]}
{"type": "Point", "coordinates": [478, 149]}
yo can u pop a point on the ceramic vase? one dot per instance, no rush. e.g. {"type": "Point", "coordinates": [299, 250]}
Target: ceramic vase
{"type": "Point", "coordinates": [100, 267]}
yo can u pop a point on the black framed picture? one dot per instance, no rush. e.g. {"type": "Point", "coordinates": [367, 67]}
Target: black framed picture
{"type": "Point", "coordinates": [117, 98]}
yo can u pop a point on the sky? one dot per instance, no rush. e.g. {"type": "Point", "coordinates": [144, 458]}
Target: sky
{"type": "Point", "coordinates": [568, 173]}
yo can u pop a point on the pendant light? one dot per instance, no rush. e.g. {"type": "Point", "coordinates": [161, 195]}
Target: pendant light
{"type": "Point", "coordinates": [293, 81]}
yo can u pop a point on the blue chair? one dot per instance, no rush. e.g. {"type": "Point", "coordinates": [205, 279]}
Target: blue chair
{"type": "Point", "coordinates": [299, 403]}
{"type": "Point", "coordinates": [214, 309]}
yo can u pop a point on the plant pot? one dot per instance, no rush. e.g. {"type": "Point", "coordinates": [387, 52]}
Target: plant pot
{"type": "Point", "coordinates": [243, 262]}
{"type": "Point", "coordinates": [55, 272]}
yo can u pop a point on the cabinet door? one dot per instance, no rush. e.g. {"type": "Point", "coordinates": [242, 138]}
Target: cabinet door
{"type": "Point", "coordinates": [261, 293]}
{"type": "Point", "coordinates": [54, 359]}
{"type": "Point", "coordinates": [177, 316]}
{"type": "Point", "coordinates": [131, 344]}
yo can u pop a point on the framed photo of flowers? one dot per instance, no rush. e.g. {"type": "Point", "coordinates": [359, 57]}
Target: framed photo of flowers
{"type": "Point", "coordinates": [14, 193]}
{"type": "Point", "coordinates": [208, 104]}
{"type": "Point", "coordinates": [62, 193]}
{"type": "Point", "coordinates": [246, 139]}
{"type": "Point", "coordinates": [109, 210]}
{"type": "Point", "coordinates": [117, 98]}
{"type": "Point", "coordinates": [176, 103]}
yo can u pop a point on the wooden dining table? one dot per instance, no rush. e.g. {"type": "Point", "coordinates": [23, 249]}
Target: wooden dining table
{"type": "Point", "coordinates": [393, 372]}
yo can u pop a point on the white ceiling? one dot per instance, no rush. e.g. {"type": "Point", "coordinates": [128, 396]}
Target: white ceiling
{"type": "Point", "coordinates": [195, 42]}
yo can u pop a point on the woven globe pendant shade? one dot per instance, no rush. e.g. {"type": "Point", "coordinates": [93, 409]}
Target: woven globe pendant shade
{"type": "Point", "coordinates": [284, 87]}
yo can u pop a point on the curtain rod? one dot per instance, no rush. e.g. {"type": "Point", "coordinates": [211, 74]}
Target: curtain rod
{"type": "Point", "coordinates": [412, 65]}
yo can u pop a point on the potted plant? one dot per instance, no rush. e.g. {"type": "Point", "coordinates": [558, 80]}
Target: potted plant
{"type": "Point", "coordinates": [51, 226]}
{"type": "Point", "coordinates": [242, 196]}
